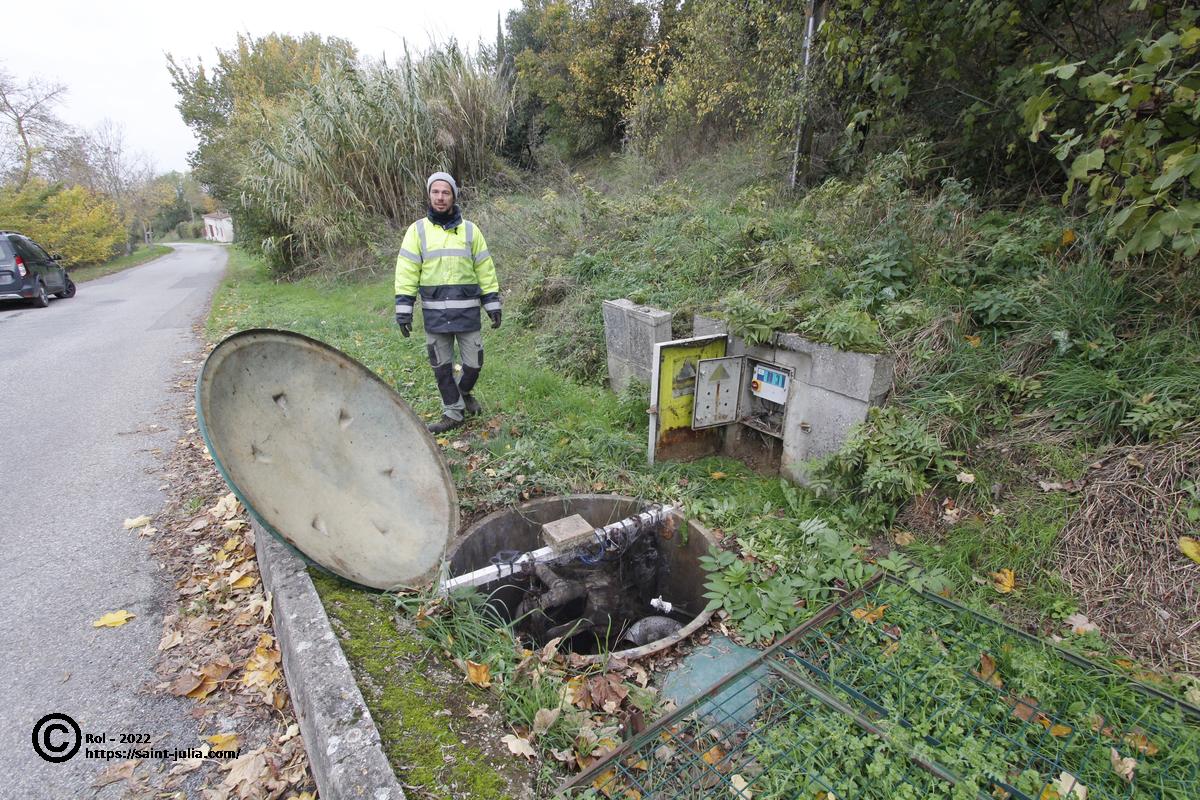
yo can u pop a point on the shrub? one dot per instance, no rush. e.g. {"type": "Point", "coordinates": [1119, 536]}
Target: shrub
{"type": "Point", "coordinates": [886, 461]}
{"type": "Point", "coordinates": [81, 226]}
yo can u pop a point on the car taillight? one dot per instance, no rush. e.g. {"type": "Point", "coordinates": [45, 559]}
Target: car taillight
{"type": "Point", "coordinates": [21, 267]}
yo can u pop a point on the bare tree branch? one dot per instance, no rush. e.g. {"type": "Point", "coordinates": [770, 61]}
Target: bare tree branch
{"type": "Point", "coordinates": [29, 108]}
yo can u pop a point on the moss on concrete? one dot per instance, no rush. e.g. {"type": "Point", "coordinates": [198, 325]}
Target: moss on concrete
{"type": "Point", "coordinates": [416, 714]}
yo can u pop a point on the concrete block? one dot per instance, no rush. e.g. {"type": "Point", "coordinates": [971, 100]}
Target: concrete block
{"type": "Point", "coordinates": [862, 376]}
{"type": "Point", "coordinates": [567, 533]}
{"type": "Point", "coordinates": [343, 745]}
{"type": "Point", "coordinates": [630, 333]}
{"type": "Point", "coordinates": [708, 326]}
{"type": "Point", "coordinates": [817, 427]}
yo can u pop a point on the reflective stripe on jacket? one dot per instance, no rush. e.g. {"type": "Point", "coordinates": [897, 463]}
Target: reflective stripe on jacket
{"type": "Point", "coordinates": [452, 272]}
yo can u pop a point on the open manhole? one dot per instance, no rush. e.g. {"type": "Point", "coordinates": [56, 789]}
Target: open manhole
{"type": "Point", "coordinates": [631, 604]}
{"type": "Point", "coordinates": [327, 457]}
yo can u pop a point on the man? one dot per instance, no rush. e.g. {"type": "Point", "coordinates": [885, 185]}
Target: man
{"type": "Point", "coordinates": [446, 259]}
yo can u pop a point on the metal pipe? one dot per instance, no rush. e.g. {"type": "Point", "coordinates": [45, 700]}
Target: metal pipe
{"type": "Point", "coordinates": [625, 528]}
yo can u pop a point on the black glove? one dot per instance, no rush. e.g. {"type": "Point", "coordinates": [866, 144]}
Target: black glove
{"type": "Point", "coordinates": [495, 315]}
{"type": "Point", "coordinates": [405, 323]}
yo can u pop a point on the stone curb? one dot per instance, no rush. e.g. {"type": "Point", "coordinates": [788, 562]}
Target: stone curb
{"type": "Point", "coordinates": [343, 744]}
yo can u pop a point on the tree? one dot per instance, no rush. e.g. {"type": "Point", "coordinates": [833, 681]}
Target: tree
{"type": "Point", "coordinates": [233, 105]}
{"type": "Point", "coordinates": [81, 225]}
{"type": "Point", "coordinates": [576, 61]}
{"type": "Point", "coordinates": [126, 177]}
{"type": "Point", "coordinates": [29, 109]}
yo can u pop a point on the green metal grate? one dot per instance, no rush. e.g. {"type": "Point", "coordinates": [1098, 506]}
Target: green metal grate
{"type": "Point", "coordinates": [892, 693]}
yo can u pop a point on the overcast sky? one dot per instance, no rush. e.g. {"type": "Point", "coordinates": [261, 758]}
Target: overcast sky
{"type": "Point", "coordinates": [111, 56]}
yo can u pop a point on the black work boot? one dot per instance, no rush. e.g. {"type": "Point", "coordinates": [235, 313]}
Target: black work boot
{"type": "Point", "coordinates": [471, 405]}
{"type": "Point", "coordinates": [446, 423]}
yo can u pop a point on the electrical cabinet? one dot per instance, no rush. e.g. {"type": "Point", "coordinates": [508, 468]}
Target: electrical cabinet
{"type": "Point", "coordinates": [741, 389]}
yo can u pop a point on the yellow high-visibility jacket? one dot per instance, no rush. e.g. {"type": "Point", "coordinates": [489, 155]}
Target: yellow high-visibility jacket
{"type": "Point", "coordinates": [452, 271]}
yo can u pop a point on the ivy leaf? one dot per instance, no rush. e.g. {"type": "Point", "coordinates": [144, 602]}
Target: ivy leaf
{"type": "Point", "coordinates": [1085, 163]}
{"type": "Point", "coordinates": [1064, 72]}
{"type": "Point", "coordinates": [1035, 113]}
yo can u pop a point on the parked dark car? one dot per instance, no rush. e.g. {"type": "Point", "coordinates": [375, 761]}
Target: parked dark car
{"type": "Point", "coordinates": [28, 272]}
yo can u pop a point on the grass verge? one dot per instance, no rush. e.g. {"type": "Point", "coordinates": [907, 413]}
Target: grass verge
{"type": "Point", "coordinates": [136, 258]}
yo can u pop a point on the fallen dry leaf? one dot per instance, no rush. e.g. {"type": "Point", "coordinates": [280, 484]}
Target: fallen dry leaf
{"type": "Point", "coordinates": [714, 755]}
{"type": "Point", "coordinates": [113, 619]}
{"type": "Point", "coordinates": [974, 341]}
{"type": "Point", "coordinates": [518, 746]}
{"type": "Point", "coordinates": [1140, 742]}
{"type": "Point", "coordinates": [1190, 547]}
{"type": "Point", "coordinates": [203, 689]}
{"type": "Point", "coordinates": [987, 671]}
{"type": "Point", "coordinates": [218, 670]}
{"type": "Point", "coordinates": [137, 522]}
{"type": "Point", "coordinates": [1060, 486]}
{"type": "Point", "coordinates": [740, 787]}
{"type": "Point", "coordinates": [479, 674]}
{"type": "Point", "coordinates": [1004, 580]}
{"type": "Point", "coordinates": [903, 538]}
{"type": "Point", "coordinates": [965, 477]}
{"type": "Point", "coordinates": [186, 683]}
{"type": "Point", "coordinates": [1026, 709]}
{"type": "Point", "coordinates": [477, 712]}
{"type": "Point", "coordinates": [716, 476]}
{"type": "Point", "coordinates": [170, 639]}
{"type": "Point", "coordinates": [1079, 624]}
{"type": "Point", "coordinates": [543, 720]}
{"type": "Point", "coordinates": [223, 741]}
{"type": "Point", "coordinates": [244, 582]}
{"type": "Point", "coordinates": [1122, 766]}
{"type": "Point", "coordinates": [115, 772]}
{"type": "Point", "coordinates": [1068, 785]}
{"type": "Point", "coordinates": [250, 769]}
{"type": "Point", "coordinates": [868, 614]}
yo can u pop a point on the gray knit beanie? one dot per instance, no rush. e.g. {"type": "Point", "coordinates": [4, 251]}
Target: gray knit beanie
{"type": "Point", "coordinates": [442, 176]}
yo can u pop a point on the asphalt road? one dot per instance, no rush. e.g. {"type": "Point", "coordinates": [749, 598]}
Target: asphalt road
{"type": "Point", "coordinates": [81, 385]}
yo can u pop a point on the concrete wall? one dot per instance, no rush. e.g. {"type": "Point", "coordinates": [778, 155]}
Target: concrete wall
{"type": "Point", "coordinates": [630, 332]}
{"type": "Point", "coordinates": [831, 391]}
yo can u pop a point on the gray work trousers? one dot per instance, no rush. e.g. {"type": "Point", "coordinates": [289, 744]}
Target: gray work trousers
{"type": "Point", "coordinates": [440, 347]}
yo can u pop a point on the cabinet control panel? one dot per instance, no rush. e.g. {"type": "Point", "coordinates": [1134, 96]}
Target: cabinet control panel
{"type": "Point", "coordinates": [769, 384]}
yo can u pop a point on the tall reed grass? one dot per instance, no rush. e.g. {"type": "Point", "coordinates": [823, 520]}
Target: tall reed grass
{"type": "Point", "coordinates": [355, 152]}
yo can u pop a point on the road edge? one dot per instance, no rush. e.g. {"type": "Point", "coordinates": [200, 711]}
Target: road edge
{"type": "Point", "coordinates": [344, 749]}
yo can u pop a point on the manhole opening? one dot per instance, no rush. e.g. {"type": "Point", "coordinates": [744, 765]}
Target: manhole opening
{"type": "Point", "coordinates": [596, 605]}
